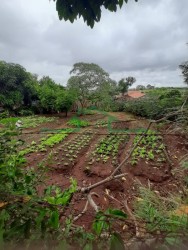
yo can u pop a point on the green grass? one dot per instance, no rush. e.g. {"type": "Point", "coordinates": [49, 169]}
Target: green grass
{"type": "Point", "coordinates": [76, 122]}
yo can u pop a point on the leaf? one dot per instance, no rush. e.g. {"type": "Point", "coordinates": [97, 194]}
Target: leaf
{"type": "Point", "coordinates": [100, 223]}
{"type": "Point", "coordinates": [120, 3]}
{"type": "Point", "coordinates": [50, 200]}
{"type": "Point", "coordinates": [88, 246]}
{"type": "Point", "coordinates": [54, 219]}
{"type": "Point", "coordinates": [116, 242]}
{"type": "Point", "coordinates": [117, 213]}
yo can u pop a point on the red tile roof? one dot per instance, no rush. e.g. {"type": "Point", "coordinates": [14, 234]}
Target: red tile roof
{"type": "Point", "coordinates": [135, 94]}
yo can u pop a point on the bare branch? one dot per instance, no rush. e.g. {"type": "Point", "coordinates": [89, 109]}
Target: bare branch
{"type": "Point", "coordinates": [91, 201]}
{"type": "Point", "coordinates": [83, 212]}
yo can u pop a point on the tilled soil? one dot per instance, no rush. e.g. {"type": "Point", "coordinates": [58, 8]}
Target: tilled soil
{"type": "Point", "coordinates": [163, 178]}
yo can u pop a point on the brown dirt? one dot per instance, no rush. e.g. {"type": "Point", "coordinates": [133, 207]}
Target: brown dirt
{"type": "Point", "coordinates": [164, 178]}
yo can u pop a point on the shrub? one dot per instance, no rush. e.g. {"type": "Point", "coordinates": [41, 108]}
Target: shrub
{"type": "Point", "coordinates": [153, 107]}
{"type": "Point", "coordinates": [76, 122]}
{"type": "Point", "coordinates": [25, 112]}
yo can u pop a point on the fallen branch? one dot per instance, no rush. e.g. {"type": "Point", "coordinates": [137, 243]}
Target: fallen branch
{"type": "Point", "coordinates": [91, 201]}
{"type": "Point", "coordinates": [109, 178]}
{"type": "Point", "coordinates": [82, 213]}
{"type": "Point", "coordinates": [138, 234]}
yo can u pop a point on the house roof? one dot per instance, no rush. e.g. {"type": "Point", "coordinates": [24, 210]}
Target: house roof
{"type": "Point", "coordinates": [135, 94]}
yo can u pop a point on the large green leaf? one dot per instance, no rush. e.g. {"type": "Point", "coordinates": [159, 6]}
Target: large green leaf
{"type": "Point", "coordinates": [100, 223]}
{"type": "Point", "coordinates": [116, 242]}
{"type": "Point", "coordinates": [117, 213]}
{"type": "Point", "coordinates": [54, 219]}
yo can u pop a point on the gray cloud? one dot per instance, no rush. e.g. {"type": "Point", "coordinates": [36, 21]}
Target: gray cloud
{"type": "Point", "coordinates": [145, 39]}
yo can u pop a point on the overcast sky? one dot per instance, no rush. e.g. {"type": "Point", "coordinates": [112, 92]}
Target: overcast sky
{"type": "Point", "coordinates": [146, 40]}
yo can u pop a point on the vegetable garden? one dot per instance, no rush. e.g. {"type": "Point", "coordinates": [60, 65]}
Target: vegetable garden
{"type": "Point", "coordinates": [75, 153]}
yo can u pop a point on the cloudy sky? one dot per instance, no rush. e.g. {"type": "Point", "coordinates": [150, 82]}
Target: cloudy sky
{"type": "Point", "coordinates": [146, 40]}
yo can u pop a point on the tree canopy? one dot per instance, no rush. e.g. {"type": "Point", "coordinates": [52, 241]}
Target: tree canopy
{"type": "Point", "coordinates": [90, 10]}
{"type": "Point", "coordinates": [88, 81]}
{"type": "Point", "coordinates": [22, 90]}
{"type": "Point", "coordinates": [125, 83]}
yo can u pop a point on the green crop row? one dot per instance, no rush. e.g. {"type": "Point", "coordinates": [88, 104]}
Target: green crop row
{"type": "Point", "coordinates": [78, 122]}
{"type": "Point", "coordinates": [101, 124]}
{"type": "Point", "coordinates": [150, 147]}
{"type": "Point", "coordinates": [48, 141]}
{"type": "Point", "coordinates": [72, 149]}
{"type": "Point", "coordinates": [107, 149]}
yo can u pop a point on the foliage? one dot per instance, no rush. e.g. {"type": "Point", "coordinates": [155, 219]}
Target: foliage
{"type": "Point", "coordinates": [86, 80]}
{"type": "Point", "coordinates": [76, 122]}
{"type": "Point", "coordinates": [84, 111]}
{"type": "Point", "coordinates": [103, 220]}
{"type": "Point", "coordinates": [72, 149]}
{"type": "Point", "coordinates": [184, 68]}
{"type": "Point", "coordinates": [161, 216]}
{"type": "Point", "coordinates": [124, 84]}
{"type": "Point", "coordinates": [153, 107]}
{"type": "Point", "coordinates": [17, 86]}
{"type": "Point", "coordinates": [106, 150]}
{"type": "Point", "coordinates": [23, 214]}
{"type": "Point", "coordinates": [103, 96]}
{"type": "Point", "coordinates": [90, 10]}
{"type": "Point", "coordinates": [140, 87]}
{"type": "Point", "coordinates": [150, 148]}
{"type": "Point", "coordinates": [53, 97]}
{"type": "Point", "coordinates": [27, 122]}
{"type": "Point", "coordinates": [21, 91]}
{"type": "Point", "coordinates": [48, 141]}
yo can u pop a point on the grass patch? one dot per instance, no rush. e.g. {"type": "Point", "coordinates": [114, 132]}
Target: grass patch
{"type": "Point", "coordinates": [76, 122]}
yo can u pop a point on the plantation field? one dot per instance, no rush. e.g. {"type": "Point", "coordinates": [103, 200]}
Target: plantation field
{"type": "Point", "coordinates": [88, 148]}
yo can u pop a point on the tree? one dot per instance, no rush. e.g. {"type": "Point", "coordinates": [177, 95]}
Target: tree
{"type": "Point", "coordinates": [184, 68]}
{"type": "Point", "coordinates": [87, 78]}
{"type": "Point", "coordinates": [14, 85]}
{"type": "Point", "coordinates": [12, 77]}
{"type": "Point", "coordinates": [140, 87]}
{"type": "Point", "coordinates": [104, 95]}
{"type": "Point", "coordinates": [90, 10]}
{"type": "Point", "coordinates": [64, 100]}
{"type": "Point", "coordinates": [125, 83]}
{"type": "Point", "coordinates": [47, 94]}
{"type": "Point", "coordinates": [149, 86]}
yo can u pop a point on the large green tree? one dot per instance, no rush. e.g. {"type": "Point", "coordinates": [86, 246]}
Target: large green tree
{"type": "Point", "coordinates": [90, 10]}
{"type": "Point", "coordinates": [53, 97]}
{"type": "Point", "coordinates": [16, 85]}
{"type": "Point", "coordinates": [103, 97]}
{"type": "Point", "coordinates": [86, 79]}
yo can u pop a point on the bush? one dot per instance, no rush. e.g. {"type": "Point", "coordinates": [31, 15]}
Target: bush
{"type": "Point", "coordinates": [153, 107]}
{"type": "Point", "coordinates": [4, 114]}
{"type": "Point", "coordinates": [25, 112]}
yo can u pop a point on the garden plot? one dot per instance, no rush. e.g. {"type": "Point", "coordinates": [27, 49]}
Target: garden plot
{"type": "Point", "coordinates": [149, 157]}
{"type": "Point", "coordinates": [150, 148]}
{"type": "Point", "coordinates": [89, 158]}
{"type": "Point", "coordinates": [46, 142]}
{"type": "Point", "coordinates": [71, 151]}
{"type": "Point", "coordinates": [101, 124]}
{"type": "Point", "coordinates": [106, 153]}
{"type": "Point", "coordinates": [28, 121]}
